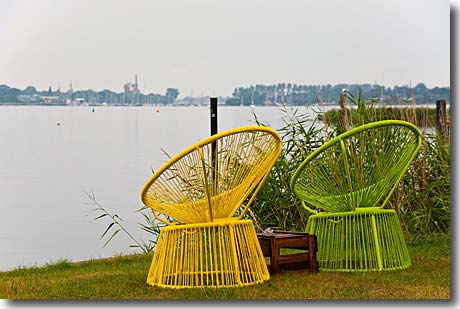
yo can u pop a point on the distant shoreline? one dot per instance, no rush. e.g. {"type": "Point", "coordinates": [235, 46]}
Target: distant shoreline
{"type": "Point", "coordinates": [428, 105]}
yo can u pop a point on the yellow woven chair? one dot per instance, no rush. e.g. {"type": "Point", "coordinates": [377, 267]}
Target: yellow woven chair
{"type": "Point", "coordinates": [202, 195]}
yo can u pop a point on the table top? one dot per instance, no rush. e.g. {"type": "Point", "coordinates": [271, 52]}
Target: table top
{"type": "Point", "coordinates": [282, 234]}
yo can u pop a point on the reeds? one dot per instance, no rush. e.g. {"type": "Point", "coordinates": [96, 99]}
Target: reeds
{"type": "Point", "coordinates": [422, 198]}
{"type": "Point", "coordinates": [276, 204]}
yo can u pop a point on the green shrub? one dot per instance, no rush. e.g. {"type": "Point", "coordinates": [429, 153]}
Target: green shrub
{"type": "Point", "coordinates": [422, 198]}
{"type": "Point", "coordinates": [276, 204]}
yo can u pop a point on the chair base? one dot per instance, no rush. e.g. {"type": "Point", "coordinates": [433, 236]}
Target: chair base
{"type": "Point", "coordinates": [364, 240]}
{"type": "Point", "coordinates": [223, 253]}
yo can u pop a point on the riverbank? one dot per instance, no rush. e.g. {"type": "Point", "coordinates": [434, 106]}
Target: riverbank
{"type": "Point", "coordinates": [422, 116]}
{"type": "Point", "coordinates": [124, 277]}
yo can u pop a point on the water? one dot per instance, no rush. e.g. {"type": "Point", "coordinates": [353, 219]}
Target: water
{"type": "Point", "coordinates": [50, 155]}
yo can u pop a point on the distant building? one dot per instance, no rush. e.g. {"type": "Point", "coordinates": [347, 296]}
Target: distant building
{"type": "Point", "coordinates": [81, 101]}
{"type": "Point", "coordinates": [131, 92]}
{"type": "Point", "coordinates": [69, 100]}
{"type": "Point", "coordinates": [50, 99]}
{"type": "Point", "coordinates": [28, 98]}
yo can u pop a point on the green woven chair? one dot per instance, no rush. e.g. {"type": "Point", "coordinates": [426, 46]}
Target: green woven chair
{"type": "Point", "coordinates": [346, 183]}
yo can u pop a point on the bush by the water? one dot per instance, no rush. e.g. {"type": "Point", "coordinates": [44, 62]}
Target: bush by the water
{"type": "Point", "coordinates": [422, 198]}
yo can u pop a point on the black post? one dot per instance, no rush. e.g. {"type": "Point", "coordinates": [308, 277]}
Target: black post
{"type": "Point", "coordinates": [441, 115]}
{"type": "Point", "coordinates": [213, 145]}
{"type": "Point", "coordinates": [213, 116]}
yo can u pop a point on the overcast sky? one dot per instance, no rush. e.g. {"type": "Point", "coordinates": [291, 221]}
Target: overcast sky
{"type": "Point", "coordinates": [209, 47]}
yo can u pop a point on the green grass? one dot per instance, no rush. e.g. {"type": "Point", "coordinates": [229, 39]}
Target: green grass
{"type": "Point", "coordinates": [124, 277]}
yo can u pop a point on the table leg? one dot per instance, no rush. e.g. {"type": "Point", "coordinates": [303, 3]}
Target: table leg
{"type": "Point", "coordinates": [312, 254]}
{"type": "Point", "coordinates": [274, 256]}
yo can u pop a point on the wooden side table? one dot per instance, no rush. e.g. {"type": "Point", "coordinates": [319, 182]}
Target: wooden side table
{"type": "Point", "coordinates": [272, 242]}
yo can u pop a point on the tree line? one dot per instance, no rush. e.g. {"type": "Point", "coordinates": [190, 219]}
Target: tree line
{"type": "Point", "coordinates": [292, 94]}
{"type": "Point", "coordinates": [281, 93]}
{"type": "Point", "coordinates": [31, 95]}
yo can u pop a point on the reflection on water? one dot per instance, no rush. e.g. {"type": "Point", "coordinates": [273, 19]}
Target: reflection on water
{"type": "Point", "coordinates": [50, 155]}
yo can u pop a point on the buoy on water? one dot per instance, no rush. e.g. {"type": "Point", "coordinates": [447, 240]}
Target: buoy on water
{"type": "Point", "coordinates": [158, 110]}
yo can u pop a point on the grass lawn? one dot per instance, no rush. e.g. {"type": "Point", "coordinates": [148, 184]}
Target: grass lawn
{"type": "Point", "coordinates": [124, 277]}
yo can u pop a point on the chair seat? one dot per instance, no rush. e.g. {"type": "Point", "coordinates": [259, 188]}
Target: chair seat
{"type": "Point", "coordinates": [191, 211]}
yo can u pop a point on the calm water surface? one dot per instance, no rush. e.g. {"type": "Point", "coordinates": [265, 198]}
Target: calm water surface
{"type": "Point", "coordinates": [50, 155]}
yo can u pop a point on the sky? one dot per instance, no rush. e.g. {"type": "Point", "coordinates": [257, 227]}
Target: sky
{"type": "Point", "coordinates": [210, 47]}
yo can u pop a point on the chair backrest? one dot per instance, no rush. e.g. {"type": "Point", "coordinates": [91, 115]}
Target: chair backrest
{"type": "Point", "coordinates": [359, 168]}
{"type": "Point", "coordinates": [215, 177]}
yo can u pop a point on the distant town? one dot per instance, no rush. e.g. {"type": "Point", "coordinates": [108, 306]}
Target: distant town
{"type": "Point", "coordinates": [260, 95]}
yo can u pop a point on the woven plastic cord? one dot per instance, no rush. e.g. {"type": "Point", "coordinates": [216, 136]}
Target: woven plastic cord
{"type": "Point", "coordinates": [346, 183]}
{"type": "Point", "coordinates": [202, 195]}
